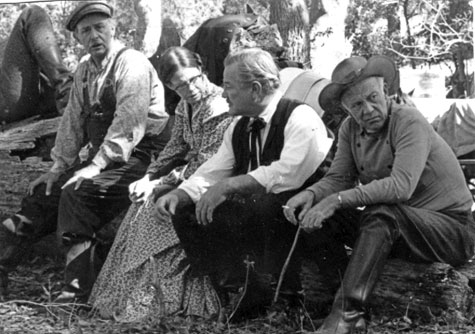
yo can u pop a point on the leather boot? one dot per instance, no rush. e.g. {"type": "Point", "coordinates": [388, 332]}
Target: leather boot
{"type": "Point", "coordinates": [370, 253]}
{"type": "Point", "coordinates": [85, 258]}
{"type": "Point", "coordinates": [58, 76]}
{"type": "Point", "coordinates": [43, 45]}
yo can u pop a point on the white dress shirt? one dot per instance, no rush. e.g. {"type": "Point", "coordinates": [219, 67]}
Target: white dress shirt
{"type": "Point", "coordinates": [306, 144]}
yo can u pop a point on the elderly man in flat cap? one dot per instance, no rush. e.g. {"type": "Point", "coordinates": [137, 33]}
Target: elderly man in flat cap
{"type": "Point", "coordinates": [116, 107]}
{"type": "Point", "coordinates": [391, 163]}
{"type": "Point", "coordinates": [34, 79]}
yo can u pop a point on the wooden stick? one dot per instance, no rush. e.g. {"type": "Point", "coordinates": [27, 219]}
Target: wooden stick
{"type": "Point", "coordinates": [286, 264]}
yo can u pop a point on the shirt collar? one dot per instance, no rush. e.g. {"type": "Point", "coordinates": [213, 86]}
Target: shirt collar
{"type": "Point", "coordinates": [271, 108]}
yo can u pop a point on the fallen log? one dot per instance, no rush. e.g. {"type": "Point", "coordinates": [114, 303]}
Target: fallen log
{"type": "Point", "coordinates": [24, 155]}
{"type": "Point", "coordinates": [428, 292]}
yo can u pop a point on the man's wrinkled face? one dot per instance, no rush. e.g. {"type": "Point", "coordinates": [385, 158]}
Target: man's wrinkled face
{"type": "Point", "coordinates": [238, 94]}
{"type": "Point", "coordinates": [366, 103]}
{"type": "Point", "coordinates": [95, 32]}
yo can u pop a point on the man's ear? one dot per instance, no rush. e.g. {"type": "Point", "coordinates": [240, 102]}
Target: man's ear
{"type": "Point", "coordinates": [256, 88]}
{"type": "Point", "coordinates": [386, 88]}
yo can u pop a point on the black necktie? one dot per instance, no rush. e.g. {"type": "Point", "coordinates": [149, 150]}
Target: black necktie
{"type": "Point", "coordinates": [255, 141]}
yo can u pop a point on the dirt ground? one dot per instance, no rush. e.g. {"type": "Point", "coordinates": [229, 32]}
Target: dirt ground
{"type": "Point", "coordinates": [34, 285]}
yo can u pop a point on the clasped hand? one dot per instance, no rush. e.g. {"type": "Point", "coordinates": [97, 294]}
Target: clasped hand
{"type": "Point", "coordinates": [140, 190]}
{"type": "Point", "coordinates": [311, 216]}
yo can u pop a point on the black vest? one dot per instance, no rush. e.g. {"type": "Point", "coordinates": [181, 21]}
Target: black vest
{"type": "Point", "coordinates": [274, 141]}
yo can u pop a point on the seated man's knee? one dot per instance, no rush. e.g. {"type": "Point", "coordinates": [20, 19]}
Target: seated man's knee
{"type": "Point", "coordinates": [381, 217]}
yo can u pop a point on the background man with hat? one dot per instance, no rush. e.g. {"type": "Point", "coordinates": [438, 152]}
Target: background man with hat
{"type": "Point", "coordinates": [391, 163]}
{"type": "Point", "coordinates": [116, 107]}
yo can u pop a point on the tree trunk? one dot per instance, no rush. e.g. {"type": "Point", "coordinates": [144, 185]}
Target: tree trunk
{"type": "Point", "coordinates": [329, 45]}
{"type": "Point", "coordinates": [292, 19]}
{"type": "Point", "coordinates": [149, 25]}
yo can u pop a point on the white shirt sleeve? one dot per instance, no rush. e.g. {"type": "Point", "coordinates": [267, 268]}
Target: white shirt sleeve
{"type": "Point", "coordinates": [218, 167]}
{"type": "Point", "coordinates": [305, 146]}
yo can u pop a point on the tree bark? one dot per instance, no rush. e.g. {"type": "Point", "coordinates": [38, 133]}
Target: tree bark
{"type": "Point", "coordinates": [292, 19]}
{"type": "Point", "coordinates": [24, 155]}
{"type": "Point", "coordinates": [149, 25]}
{"type": "Point", "coordinates": [329, 45]}
{"type": "Point", "coordinates": [423, 291]}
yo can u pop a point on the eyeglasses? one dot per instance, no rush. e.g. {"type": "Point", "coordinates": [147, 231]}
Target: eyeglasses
{"type": "Point", "coordinates": [187, 83]}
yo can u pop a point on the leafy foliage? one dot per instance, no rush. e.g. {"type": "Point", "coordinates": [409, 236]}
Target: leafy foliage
{"type": "Point", "coordinates": [409, 30]}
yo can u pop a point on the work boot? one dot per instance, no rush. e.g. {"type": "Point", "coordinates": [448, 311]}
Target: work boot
{"type": "Point", "coordinates": [85, 258]}
{"type": "Point", "coordinates": [44, 47]}
{"type": "Point", "coordinates": [372, 248]}
{"type": "Point", "coordinates": [58, 76]}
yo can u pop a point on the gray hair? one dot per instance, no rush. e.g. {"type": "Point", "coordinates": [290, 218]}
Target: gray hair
{"type": "Point", "coordinates": [258, 65]}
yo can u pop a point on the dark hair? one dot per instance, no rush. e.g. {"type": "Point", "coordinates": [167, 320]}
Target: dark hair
{"type": "Point", "coordinates": [174, 59]}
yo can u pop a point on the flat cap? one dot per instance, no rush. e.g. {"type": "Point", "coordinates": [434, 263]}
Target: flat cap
{"type": "Point", "coordinates": [86, 8]}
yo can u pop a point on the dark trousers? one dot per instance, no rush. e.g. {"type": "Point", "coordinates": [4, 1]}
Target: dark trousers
{"type": "Point", "coordinates": [247, 235]}
{"type": "Point", "coordinates": [31, 49]}
{"type": "Point", "coordinates": [76, 216]}
{"type": "Point", "coordinates": [377, 233]}
{"type": "Point", "coordinates": [420, 235]}
{"type": "Point", "coordinates": [255, 228]}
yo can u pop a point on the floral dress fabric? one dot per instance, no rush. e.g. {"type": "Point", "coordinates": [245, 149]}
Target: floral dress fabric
{"type": "Point", "coordinates": [146, 273]}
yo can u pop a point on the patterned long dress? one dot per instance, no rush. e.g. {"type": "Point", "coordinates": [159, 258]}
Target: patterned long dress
{"type": "Point", "coordinates": [146, 273]}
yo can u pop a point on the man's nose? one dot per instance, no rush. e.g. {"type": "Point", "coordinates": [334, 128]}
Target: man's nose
{"type": "Point", "coordinates": [367, 107]}
{"type": "Point", "coordinates": [94, 33]}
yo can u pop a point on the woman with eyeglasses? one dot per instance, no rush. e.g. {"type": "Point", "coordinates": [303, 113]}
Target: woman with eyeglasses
{"type": "Point", "coordinates": [146, 272]}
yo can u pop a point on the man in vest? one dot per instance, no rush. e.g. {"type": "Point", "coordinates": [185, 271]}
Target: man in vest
{"type": "Point", "coordinates": [229, 212]}
{"type": "Point", "coordinates": [414, 203]}
{"type": "Point", "coordinates": [116, 106]}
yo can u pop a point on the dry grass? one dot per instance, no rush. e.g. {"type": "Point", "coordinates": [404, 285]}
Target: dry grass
{"type": "Point", "coordinates": [29, 309]}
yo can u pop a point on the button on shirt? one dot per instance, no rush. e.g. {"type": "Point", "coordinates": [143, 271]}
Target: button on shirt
{"type": "Point", "coordinates": [406, 163]}
{"type": "Point", "coordinates": [140, 108]}
{"type": "Point", "coordinates": [305, 147]}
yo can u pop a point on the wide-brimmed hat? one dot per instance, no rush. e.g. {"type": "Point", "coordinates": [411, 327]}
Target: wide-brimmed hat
{"type": "Point", "coordinates": [86, 8]}
{"type": "Point", "coordinates": [353, 70]}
